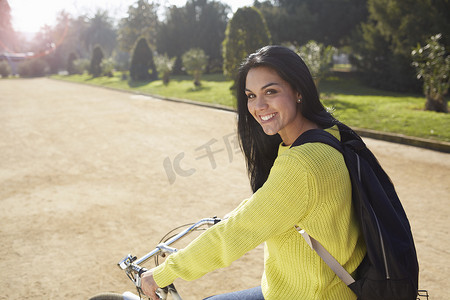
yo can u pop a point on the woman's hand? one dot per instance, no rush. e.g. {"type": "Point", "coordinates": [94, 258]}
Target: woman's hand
{"type": "Point", "coordinates": [148, 285]}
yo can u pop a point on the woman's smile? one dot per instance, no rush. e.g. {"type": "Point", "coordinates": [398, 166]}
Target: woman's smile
{"type": "Point", "coordinates": [266, 118]}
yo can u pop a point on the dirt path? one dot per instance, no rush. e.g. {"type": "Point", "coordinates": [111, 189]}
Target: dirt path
{"type": "Point", "coordinates": [88, 175]}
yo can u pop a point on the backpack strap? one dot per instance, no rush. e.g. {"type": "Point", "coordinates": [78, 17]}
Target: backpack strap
{"type": "Point", "coordinates": [318, 136]}
{"type": "Point", "coordinates": [321, 136]}
{"type": "Point", "coordinates": [326, 256]}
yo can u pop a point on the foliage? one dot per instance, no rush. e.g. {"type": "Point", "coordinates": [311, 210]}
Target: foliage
{"type": "Point", "coordinates": [95, 68]}
{"type": "Point", "coordinates": [70, 66]}
{"type": "Point", "coordinates": [79, 36]}
{"type": "Point", "coordinates": [81, 65]}
{"type": "Point", "coordinates": [198, 24]}
{"type": "Point", "coordinates": [381, 45]}
{"type": "Point", "coordinates": [7, 34]}
{"type": "Point", "coordinates": [246, 32]}
{"type": "Point", "coordinates": [5, 70]}
{"type": "Point", "coordinates": [141, 21]}
{"type": "Point", "coordinates": [100, 31]}
{"type": "Point", "coordinates": [406, 22]}
{"type": "Point", "coordinates": [330, 22]}
{"type": "Point", "coordinates": [36, 67]}
{"type": "Point", "coordinates": [384, 42]}
{"type": "Point", "coordinates": [75, 40]}
{"type": "Point", "coordinates": [56, 43]}
{"type": "Point", "coordinates": [318, 58]}
{"type": "Point", "coordinates": [432, 64]}
{"type": "Point", "coordinates": [142, 62]}
{"type": "Point", "coordinates": [195, 62]}
{"type": "Point", "coordinates": [164, 66]}
{"type": "Point", "coordinates": [107, 66]}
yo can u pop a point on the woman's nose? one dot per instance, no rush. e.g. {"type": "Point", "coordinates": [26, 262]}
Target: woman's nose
{"type": "Point", "coordinates": [260, 103]}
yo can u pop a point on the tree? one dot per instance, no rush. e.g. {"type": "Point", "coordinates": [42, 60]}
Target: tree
{"type": "Point", "coordinates": [75, 39]}
{"type": "Point", "coordinates": [195, 62]}
{"type": "Point", "coordinates": [283, 27]}
{"type": "Point", "coordinates": [330, 22]}
{"type": "Point", "coordinates": [95, 68]}
{"type": "Point", "coordinates": [55, 43]}
{"type": "Point", "coordinates": [43, 46]}
{"type": "Point", "coordinates": [198, 24]}
{"type": "Point", "coordinates": [384, 42]}
{"type": "Point", "coordinates": [100, 31]}
{"type": "Point", "coordinates": [142, 62]}
{"type": "Point", "coordinates": [246, 32]}
{"type": "Point", "coordinates": [7, 34]}
{"type": "Point", "coordinates": [406, 22]}
{"type": "Point", "coordinates": [142, 21]}
{"type": "Point", "coordinates": [64, 38]}
{"type": "Point", "coordinates": [433, 66]}
{"type": "Point", "coordinates": [164, 66]}
{"type": "Point", "coordinates": [318, 58]}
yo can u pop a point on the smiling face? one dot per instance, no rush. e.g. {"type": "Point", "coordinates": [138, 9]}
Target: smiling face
{"type": "Point", "coordinates": [273, 103]}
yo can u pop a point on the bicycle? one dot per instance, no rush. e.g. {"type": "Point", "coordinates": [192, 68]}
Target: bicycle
{"type": "Point", "coordinates": [133, 269]}
{"type": "Point", "coordinates": [133, 265]}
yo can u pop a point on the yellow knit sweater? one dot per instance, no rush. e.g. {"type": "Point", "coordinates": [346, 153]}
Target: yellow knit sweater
{"type": "Point", "coordinates": [309, 186]}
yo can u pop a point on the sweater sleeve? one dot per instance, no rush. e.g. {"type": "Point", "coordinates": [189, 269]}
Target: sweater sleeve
{"type": "Point", "coordinates": [267, 213]}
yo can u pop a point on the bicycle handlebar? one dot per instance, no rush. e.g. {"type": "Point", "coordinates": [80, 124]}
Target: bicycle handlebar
{"type": "Point", "coordinates": [131, 264]}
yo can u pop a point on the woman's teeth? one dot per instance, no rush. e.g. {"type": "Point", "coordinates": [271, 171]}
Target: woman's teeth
{"type": "Point", "coordinates": [268, 117]}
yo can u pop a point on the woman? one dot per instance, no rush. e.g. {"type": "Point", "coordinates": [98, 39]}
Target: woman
{"type": "Point", "coordinates": [308, 186]}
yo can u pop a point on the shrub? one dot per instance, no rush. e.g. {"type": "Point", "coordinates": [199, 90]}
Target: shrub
{"type": "Point", "coordinates": [433, 66]}
{"type": "Point", "coordinates": [195, 62]}
{"type": "Point", "coordinates": [107, 66]}
{"type": "Point", "coordinates": [5, 70]}
{"type": "Point", "coordinates": [35, 67]}
{"type": "Point", "coordinates": [81, 65]}
{"type": "Point", "coordinates": [95, 68]}
{"type": "Point", "coordinates": [142, 64]}
{"type": "Point", "coordinates": [70, 66]}
{"type": "Point", "coordinates": [164, 66]}
{"type": "Point", "coordinates": [318, 58]}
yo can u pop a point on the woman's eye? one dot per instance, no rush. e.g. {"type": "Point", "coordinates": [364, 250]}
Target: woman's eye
{"type": "Point", "coordinates": [271, 92]}
{"type": "Point", "coordinates": [250, 96]}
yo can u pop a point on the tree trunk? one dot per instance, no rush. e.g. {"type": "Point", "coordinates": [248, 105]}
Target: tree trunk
{"type": "Point", "coordinates": [166, 79]}
{"type": "Point", "coordinates": [437, 103]}
{"type": "Point", "coordinates": [197, 82]}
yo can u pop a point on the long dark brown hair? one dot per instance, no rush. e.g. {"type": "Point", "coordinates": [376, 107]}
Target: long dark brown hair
{"type": "Point", "coordinates": [260, 150]}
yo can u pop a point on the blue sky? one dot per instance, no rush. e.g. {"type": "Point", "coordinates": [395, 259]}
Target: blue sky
{"type": "Point", "coordinates": [30, 16]}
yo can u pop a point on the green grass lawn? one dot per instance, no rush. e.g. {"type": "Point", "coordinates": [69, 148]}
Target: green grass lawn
{"type": "Point", "coordinates": [351, 102]}
{"type": "Point", "coordinates": [363, 107]}
{"type": "Point", "coordinates": [215, 89]}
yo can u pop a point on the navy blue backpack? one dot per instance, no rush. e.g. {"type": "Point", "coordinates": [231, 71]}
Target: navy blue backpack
{"type": "Point", "coordinates": [390, 269]}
